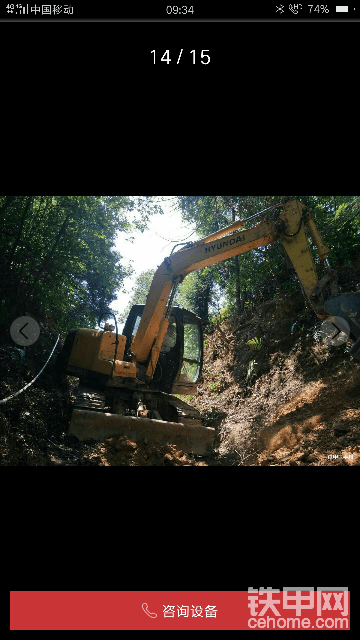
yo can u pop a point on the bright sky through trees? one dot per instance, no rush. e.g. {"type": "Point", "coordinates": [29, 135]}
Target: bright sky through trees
{"type": "Point", "coordinates": [150, 248]}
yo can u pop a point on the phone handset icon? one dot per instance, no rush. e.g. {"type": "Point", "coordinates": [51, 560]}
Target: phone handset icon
{"type": "Point", "coordinates": [146, 610]}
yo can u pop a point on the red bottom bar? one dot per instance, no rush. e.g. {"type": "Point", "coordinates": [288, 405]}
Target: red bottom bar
{"type": "Point", "coordinates": [176, 610]}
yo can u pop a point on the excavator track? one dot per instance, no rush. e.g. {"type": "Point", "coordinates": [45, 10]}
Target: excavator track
{"type": "Point", "coordinates": [88, 399]}
{"type": "Point", "coordinates": [92, 420]}
{"type": "Point", "coordinates": [186, 414]}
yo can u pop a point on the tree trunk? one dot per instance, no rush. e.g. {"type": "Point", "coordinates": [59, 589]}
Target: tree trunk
{"type": "Point", "coordinates": [203, 304]}
{"type": "Point", "coordinates": [237, 276]}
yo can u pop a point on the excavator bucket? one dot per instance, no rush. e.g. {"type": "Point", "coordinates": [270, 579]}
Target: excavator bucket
{"type": "Point", "coordinates": [93, 425]}
{"type": "Point", "coordinates": [347, 306]}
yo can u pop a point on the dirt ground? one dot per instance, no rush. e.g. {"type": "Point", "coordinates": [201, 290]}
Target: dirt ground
{"type": "Point", "coordinates": [299, 405]}
{"type": "Point", "coordinates": [293, 401]}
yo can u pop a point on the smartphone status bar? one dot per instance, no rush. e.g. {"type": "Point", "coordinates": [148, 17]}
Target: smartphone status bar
{"type": "Point", "coordinates": [189, 12]}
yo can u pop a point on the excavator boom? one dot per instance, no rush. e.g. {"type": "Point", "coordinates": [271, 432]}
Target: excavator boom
{"type": "Point", "coordinates": [227, 243]}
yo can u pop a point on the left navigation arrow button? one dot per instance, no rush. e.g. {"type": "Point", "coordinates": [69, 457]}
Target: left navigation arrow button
{"type": "Point", "coordinates": [25, 331]}
{"type": "Point", "coordinates": [21, 331]}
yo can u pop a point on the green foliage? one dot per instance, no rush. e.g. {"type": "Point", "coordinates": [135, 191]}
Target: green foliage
{"type": "Point", "coordinates": [186, 399]}
{"type": "Point", "coordinates": [4, 317]}
{"type": "Point", "coordinates": [57, 255]}
{"type": "Point", "coordinates": [298, 325]}
{"type": "Point", "coordinates": [255, 344]}
{"type": "Point", "coordinates": [265, 272]}
{"type": "Point", "coordinates": [237, 282]}
{"type": "Point", "coordinates": [196, 292]}
{"type": "Point", "coordinates": [250, 371]}
{"type": "Point", "coordinates": [225, 314]}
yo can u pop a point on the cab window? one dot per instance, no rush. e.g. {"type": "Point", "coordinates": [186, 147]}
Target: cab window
{"type": "Point", "coordinates": [192, 353]}
{"type": "Point", "coordinates": [170, 336]}
{"type": "Point", "coordinates": [136, 326]}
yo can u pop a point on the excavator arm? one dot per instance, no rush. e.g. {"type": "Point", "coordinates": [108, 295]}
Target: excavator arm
{"type": "Point", "coordinates": [227, 243]}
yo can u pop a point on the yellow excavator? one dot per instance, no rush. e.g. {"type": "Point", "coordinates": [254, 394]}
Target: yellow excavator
{"type": "Point", "coordinates": [129, 383]}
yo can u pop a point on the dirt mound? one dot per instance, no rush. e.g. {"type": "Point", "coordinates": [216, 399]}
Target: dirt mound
{"type": "Point", "coordinates": [277, 394]}
{"type": "Point", "coordinates": [121, 451]}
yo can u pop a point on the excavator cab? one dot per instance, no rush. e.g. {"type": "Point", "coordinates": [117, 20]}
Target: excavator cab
{"type": "Point", "coordinates": [181, 359]}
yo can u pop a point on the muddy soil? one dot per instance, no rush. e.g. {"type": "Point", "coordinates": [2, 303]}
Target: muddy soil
{"type": "Point", "coordinates": [289, 400]}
